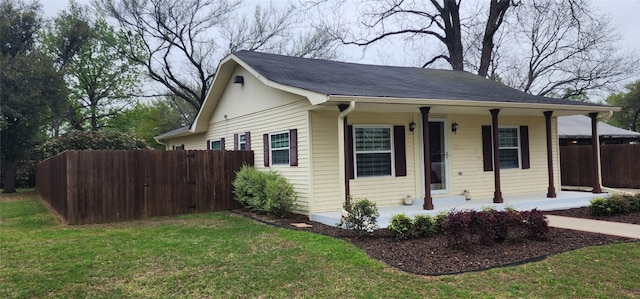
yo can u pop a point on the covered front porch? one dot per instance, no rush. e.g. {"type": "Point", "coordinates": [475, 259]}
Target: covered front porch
{"type": "Point", "coordinates": [540, 201]}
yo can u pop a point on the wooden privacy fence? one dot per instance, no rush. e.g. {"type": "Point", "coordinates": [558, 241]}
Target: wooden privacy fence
{"type": "Point", "coordinates": [105, 186]}
{"type": "Point", "coordinates": [620, 165]}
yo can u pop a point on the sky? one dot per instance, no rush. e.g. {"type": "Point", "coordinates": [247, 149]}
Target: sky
{"type": "Point", "coordinates": [624, 18]}
{"type": "Point", "coordinates": [625, 15]}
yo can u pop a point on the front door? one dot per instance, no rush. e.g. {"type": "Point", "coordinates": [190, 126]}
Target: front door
{"type": "Point", "coordinates": [439, 156]}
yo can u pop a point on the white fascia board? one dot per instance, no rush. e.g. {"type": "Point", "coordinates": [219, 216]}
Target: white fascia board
{"type": "Point", "coordinates": [314, 98]}
{"type": "Point", "coordinates": [488, 104]}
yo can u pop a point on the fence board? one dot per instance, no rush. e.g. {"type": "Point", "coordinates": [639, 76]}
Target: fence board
{"type": "Point", "coordinates": [620, 165]}
{"type": "Point", "coordinates": [105, 186]}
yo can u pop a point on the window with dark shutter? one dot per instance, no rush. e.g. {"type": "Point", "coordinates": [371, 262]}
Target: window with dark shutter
{"type": "Point", "coordinates": [265, 148]}
{"type": "Point", "coordinates": [349, 146]}
{"type": "Point", "coordinates": [400, 151]}
{"type": "Point", "coordinates": [487, 149]}
{"type": "Point", "coordinates": [293, 147]}
{"type": "Point", "coordinates": [524, 147]}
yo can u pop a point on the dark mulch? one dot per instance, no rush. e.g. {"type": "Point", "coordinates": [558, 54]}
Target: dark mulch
{"type": "Point", "coordinates": [432, 256]}
{"type": "Point", "coordinates": [584, 213]}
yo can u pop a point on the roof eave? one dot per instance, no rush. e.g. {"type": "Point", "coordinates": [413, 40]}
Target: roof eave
{"type": "Point", "coordinates": [223, 75]}
{"type": "Point", "coordinates": [471, 103]}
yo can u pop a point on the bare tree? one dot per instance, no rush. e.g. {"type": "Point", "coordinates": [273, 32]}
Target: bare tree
{"type": "Point", "coordinates": [185, 39]}
{"type": "Point", "coordinates": [437, 19]}
{"type": "Point", "coordinates": [563, 49]}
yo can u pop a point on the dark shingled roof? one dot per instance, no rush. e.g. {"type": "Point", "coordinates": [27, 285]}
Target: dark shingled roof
{"type": "Point", "coordinates": [352, 79]}
{"type": "Point", "coordinates": [173, 132]}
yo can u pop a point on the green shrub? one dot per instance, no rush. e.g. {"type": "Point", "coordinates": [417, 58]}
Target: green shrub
{"type": "Point", "coordinates": [250, 189]}
{"type": "Point", "coordinates": [614, 205]}
{"type": "Point", "coordinates": [424, 226]}
{"type": "Point", "coordinates": [598, 207]}
{"type": "Point", "coordinates": [281, 198]}
{"type": "Point", "coordinates": [401, 226]}
{"type": "Point", "coordinates": [361, 216]}
{"type": "Point", "coordinates": [439, 222]}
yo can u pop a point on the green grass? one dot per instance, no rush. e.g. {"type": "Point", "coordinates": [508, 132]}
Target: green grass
{"type": "Point", "coordinates": [219, 255]}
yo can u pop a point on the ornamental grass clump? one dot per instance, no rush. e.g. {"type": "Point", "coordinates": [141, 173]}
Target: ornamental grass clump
{"type": "Point", "coordinates": [361, 216]}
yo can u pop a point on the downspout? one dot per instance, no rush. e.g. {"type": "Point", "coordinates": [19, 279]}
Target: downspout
{"type": "Point", "coordinates": [343, 114]}
{"type": "Point", "coordinates": [602, 118]}
{"type": "Point", "coordinates": [342, 120]}
{"type": "Point", "coordinates": [166, 146]}
{"type": "Point", "coordinates": [605, 117]}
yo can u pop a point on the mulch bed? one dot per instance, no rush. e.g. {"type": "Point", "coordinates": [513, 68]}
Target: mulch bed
{"type": "Point", "coordinates": [432, 256]}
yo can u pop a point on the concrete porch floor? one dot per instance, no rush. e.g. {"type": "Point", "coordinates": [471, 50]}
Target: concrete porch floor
{"type": "Point", "coordinates": [564, 200]}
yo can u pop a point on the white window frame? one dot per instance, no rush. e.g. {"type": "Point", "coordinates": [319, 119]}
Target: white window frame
{"type": "Point", "coordinates": [242, 143]}
{"type": "Point", "coordinates": [390, 151]}
{"type": "Point", "coordinates": [518, 148]}
{"type": "Point", "coordinates": [219, 140]}
{"type": "Point", "coordinates": [272, 149]}
{"type": "Point", "coordinates": [178, 147]}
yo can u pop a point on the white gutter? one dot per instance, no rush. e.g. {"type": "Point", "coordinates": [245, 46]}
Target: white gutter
{"type": "Point", "coordinates": [605, 117]}
{"type": "Point", "coordinates": [490, 104]}
{"type": "Point", "coordinates": [343, 114]}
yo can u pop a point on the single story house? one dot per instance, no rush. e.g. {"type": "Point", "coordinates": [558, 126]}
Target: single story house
{"type": "Point", "coordinates": [341, 130]}
{"type": "Point", "coordinates": [576, 130]}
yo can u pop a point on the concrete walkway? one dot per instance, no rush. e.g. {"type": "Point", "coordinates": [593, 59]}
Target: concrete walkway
{"type": "Point", "coordinates": [596, 226]}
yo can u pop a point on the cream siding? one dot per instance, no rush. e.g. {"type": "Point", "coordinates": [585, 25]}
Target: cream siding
{"type": "Point", "coordinates": [465, 157]}
{"type": "Point", "coordinates": [326, 173]}
{"type": "Point", "coordinates": [258, 109]}
{"type": "Point", "coordinates": [318, 179]}
{"type": "Point", "coordinates": [248, 98]}
{"type": "Point", "coordinates": [191, 142]}
{"type": "Point", "coordinates": [390, 190]}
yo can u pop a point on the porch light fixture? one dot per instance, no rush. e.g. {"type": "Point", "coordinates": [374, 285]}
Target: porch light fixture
{"type": "Point", "coordinates": [238, 80]}
{"type": "Point", "coordinates": [454, 128]}
{"type": "Point", "coordinates": [412, 126]}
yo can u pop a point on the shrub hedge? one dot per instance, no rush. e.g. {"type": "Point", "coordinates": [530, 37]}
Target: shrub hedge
{"type": "Point", "coordinates": [466, 228]}
{"type": "Point", "coordinates": [264, 191]}
{"type": "Point", "coordinates": [614, 205]}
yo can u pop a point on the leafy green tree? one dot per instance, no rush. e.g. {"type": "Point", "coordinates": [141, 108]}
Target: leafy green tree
{"type": "Point", "coordinates": [102, 81]}
{"type": "Point", "coordinates": [29, 84]}
{"type": "Point", "coordinates": [147, 120]}
{"type": "Point", "coordinates": [629, 116]}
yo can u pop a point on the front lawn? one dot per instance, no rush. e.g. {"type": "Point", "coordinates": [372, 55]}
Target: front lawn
{"type": "Point", "coordinates": [221, 255]}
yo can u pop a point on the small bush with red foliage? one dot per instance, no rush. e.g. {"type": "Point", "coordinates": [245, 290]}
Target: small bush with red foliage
{"type": "Point", "coordinates": [466, 228]}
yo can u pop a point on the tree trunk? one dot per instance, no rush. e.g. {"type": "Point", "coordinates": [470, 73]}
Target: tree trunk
{"type": "Point", "coordinates": [451, 17]}
{"type": "Point", "coordinates": [497, 9]}
{"type": "Point", "coordinates": [9, 174]}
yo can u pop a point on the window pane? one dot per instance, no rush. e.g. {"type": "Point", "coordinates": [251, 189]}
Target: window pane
{"type": "Point", "coordinates": [243, 142]}
{"type": "Point", "coordinates": [373, 164]}
{"type": "Point", "coordinates": [509, 158]}
{"type": "Point", "coordinates": [280, 157]}
{"type": "Point", "coordinates": [508, 137]}
{"type": "Point", "coordinates": [216, 145]}
{"type": "Point", "coordinates": [373, 139]}
{"type": "Point", "coordinates": [280, 140]}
